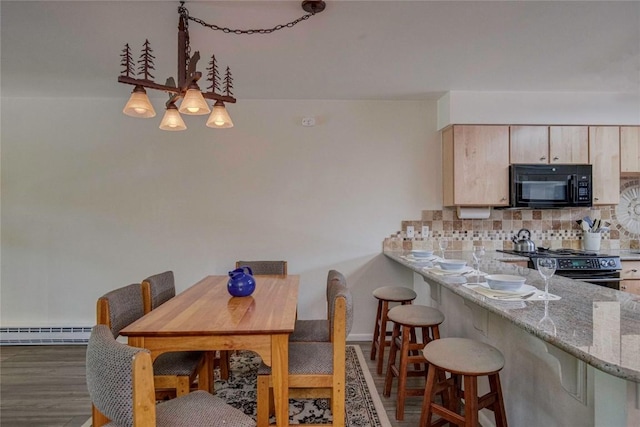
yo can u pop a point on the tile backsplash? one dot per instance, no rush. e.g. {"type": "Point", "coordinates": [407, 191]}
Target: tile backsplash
{"type": "Point", "coordinates": [553, 228]}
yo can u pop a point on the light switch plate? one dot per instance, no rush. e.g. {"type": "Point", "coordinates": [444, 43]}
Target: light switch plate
{"type": "Point", "coordinates": [410, 232]}
{"type": "Point", "coordinates": [425, 231]}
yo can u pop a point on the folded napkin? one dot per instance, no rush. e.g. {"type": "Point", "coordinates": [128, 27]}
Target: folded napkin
{"type": "Point", "coordinates": [440, 272]}
{"type": "Point", "coordinates": [537, 295]}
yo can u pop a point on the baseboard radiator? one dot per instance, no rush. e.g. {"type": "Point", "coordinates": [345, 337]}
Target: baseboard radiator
{"type": "Point", "coordinates": [62, 335]}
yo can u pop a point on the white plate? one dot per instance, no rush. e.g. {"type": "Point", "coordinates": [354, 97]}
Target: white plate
{"type": "Point", "coordinates": [525, 289]}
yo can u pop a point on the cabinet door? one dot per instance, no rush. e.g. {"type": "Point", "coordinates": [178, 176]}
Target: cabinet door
{"type": "Point", "coordinates": [629, 150]}
{"type": "Point", "coordinates": [604, 156]}
{"type": "Point", "coordinates": [529, 144]}
{"type": "Point", "coordinates": [631, 286]}
{"type": "Point", "coordinates": [568, 144]}
{"type": "Point", "coordinates": [630, 270]}
{"type": "Point", "coordinates": [480, 165]}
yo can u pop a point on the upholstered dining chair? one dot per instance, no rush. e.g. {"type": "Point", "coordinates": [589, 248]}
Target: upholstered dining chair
{"type": "Point", "coordinates": [316, 369]}
{"type": "Point", "coordinates": [173, 371]}
{"type": "Point", "coordinates": [158, 289]}
{"type": "Point", "coordinates": [120, 383]}
{"type": "Point", "coordinates": [318, 330]}
{"type": "Point", "coordinates": [271, 268]}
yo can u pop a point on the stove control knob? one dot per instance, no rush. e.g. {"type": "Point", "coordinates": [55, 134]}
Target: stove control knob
{"type": "Point", "coordinates": [603, 262]}
{"type": "Point", "coordinates": [612, 263]}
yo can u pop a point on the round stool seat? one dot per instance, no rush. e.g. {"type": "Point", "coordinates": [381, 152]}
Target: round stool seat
{"type": "Point", "coordinates": [464, 356]}
{"type": "Point", "coordinates": [395, 293]}
{"type": "Point", "coordinates": [416, 315]}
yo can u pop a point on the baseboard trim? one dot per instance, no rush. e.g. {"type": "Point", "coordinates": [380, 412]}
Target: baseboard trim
{"type": "Point", "coordinates": [55, 335]}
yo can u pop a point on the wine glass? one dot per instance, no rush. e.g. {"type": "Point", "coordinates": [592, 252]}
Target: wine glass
{"type": "Point", "coordinates": [478, 253]}
{"type": "Point", "coordinates": [546, 323]}
{"type": "Point", "coordinates": [546, 268]}
{"type": "Point", "coordinates": [443, 243]}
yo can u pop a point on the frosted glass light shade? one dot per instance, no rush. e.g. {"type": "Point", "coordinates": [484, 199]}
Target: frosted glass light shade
{"type": "Point", "coordinates": [219, 117]}
{"type": "Point", "coordinates": [172, 120]}
{"type": "Point", "coordinates": [194, 103]}
{"type": "Point", "coordinates": [139, 104]}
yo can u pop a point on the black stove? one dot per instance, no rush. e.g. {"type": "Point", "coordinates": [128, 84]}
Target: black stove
{"type": "Point", "coordinates": [592, 267]}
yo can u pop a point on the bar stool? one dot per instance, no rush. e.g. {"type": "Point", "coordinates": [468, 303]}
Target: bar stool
{"type": "Point", "coordinates": [406, 319]}
{"type": "Point", "coordinates": [468, 359]}
{"type": "Point", "coordinates": [385, 295]}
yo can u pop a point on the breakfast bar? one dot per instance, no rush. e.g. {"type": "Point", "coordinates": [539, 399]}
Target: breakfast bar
{"type": "Point", "coordinates": [584, 371]}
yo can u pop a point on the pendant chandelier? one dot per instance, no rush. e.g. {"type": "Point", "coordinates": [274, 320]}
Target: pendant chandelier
{"type": "Point", "coordinates": [194, 100]}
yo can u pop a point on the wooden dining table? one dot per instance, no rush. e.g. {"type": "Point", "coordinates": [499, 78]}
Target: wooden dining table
{"type": "Point", "coordinates": [206, 317]}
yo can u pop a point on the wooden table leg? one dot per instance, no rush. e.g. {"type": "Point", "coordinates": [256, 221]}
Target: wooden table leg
{"type": "Point", "coordinates": [280, 374]}
{"type": "Point", "coordinates": [205, 374]}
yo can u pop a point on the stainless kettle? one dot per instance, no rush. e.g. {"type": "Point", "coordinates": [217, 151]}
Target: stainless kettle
{"type": "Point", "coordinates": [522, 242]}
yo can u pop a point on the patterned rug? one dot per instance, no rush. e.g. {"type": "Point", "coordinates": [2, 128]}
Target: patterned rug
{"type": "Point", "coordinates": [363, 406]}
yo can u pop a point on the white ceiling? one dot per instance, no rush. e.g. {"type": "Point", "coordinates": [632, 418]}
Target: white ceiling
{"type": "Point", "coordinates": [352, 50]}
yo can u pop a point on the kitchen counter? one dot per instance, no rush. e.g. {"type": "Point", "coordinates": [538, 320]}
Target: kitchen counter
{"type": "Point", "coordinates": [595, 326]}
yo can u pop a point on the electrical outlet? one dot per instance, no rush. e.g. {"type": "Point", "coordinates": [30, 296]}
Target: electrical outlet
{"type": "Point", "coordinates": [308, 121]}
{"type": "Point", "coordinates": [411, 231]}
{"type": "Point", "coordinates": [425, 231]}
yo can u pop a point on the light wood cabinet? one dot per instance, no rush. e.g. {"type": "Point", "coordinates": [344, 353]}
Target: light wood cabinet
{"type": "Point", "coordinates": [568, 144]}
{"type": "Point", "coordinates": [631, 286]}
{"type": "Point", "coordinates": [529, 144]}
{"type": "Point", "coordinates": [549, 144]}
{"type": "Point", "coordinates": [475, 165]}
{"type": "Point", "coordinates": [604, 156]}
{"type": "Point", "coordinates": [629, 150]}
{"type": "Point", "coordinates": [631, 275]}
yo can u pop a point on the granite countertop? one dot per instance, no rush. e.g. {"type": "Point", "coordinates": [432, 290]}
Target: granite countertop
{"type": "Point", "coordinates": [598, 325]}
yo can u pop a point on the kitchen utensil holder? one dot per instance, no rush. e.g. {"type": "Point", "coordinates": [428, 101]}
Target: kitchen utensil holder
{"type": "Point", "coordinates": [591, 241]}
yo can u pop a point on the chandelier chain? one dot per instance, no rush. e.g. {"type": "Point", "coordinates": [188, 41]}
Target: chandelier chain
{"type": "Point", "coordinates": [184, 12]}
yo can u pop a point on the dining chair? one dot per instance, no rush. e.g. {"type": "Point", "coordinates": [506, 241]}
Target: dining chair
{"type": "Point", "coordinates": [318, 330]}
{"type": "Point", "coordinates": [316, 369]}
{"type": "Point", "coordinates": [271, 268]}
{"type": "Point", "coordinates": [158, 289]}
{"type": "Point", "coordinates": [175, 371]}
{"type": "Point", "coordinates": [120, 383]}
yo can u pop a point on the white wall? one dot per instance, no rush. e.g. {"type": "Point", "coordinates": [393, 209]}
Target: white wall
{"type": "Point", "coordinates": [561, 108]}
{"type": "Point", "coordinates": [93, 200]}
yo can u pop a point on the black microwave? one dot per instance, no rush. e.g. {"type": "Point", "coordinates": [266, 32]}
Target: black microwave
{"type": "Point", "coordinates": [550, 186]}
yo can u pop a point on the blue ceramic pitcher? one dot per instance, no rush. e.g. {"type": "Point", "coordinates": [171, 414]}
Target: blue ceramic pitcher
{"type": "Point", "coordinates": [241, 282]}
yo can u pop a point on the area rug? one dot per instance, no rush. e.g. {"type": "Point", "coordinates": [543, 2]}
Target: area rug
{"type": "Point", "coordinates": [363, 407]}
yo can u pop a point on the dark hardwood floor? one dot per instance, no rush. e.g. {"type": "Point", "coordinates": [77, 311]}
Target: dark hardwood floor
{"type": "Point", "coordinates": [44, 386]}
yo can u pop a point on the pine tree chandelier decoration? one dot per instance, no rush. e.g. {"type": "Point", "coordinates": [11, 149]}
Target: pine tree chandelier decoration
{"type": "Point", "coordinates": [220, 89]}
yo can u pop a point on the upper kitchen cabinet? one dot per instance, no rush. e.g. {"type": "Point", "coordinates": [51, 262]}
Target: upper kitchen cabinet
{"type": "Point", "coordinates": [604, 156]}
{"type": "Point", "coordinates": [549, 144]}
{"type": "Point", "coordinates": [569, 144]}
{"type": "Point", "coordinates": [475, 165]}
{"type": "Point", "coordinates": [529, 144]}
{"type": "Point", "coordinates": [629, 150]}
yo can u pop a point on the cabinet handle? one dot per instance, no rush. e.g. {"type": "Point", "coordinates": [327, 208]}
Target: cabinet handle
{"type": "Point", "coordinates": [595, 198]}
{"type": "Point", "coordinates": [556, 158]}
{"type": "Point", "coordinates": [633, 270]}
{"type": "Point", "coordinates": [504, 199]}
{"type": "Point", "coordinates": [543, 158]}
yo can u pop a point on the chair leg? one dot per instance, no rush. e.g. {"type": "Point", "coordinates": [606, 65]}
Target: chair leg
{"type": "Point", "coordinates": [382, 336]}
{"type": "Point", "coordinates": [376, 331]}
{"type": "Point", "coordinates": [98, 419]}
{"type": "Point", "coordinates": [393, 350]}
{"type": "Point", "coordinates": [264, 397]}
{"type": "Point", "coordinates": [425, 413]}
{"type": "Point", "coordinates": [470, 401]}
{"type": "Point", "coordinates": [498, 406]}
{"type": "Point", "coordinates": [406, 337]}
{"type": "Point", "coordinates": [224, 364]}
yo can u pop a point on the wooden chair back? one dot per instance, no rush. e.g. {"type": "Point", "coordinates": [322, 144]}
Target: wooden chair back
{"type": "Point", "coordinates": [270, 268]}
{"type": "Point", "coordinates": [120, 381]}
{"type": "Point", "coordinates": [157, 289]}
